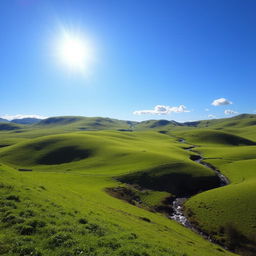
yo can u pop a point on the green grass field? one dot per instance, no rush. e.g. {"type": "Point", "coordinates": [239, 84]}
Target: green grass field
{"type": "Point", "coordinates": [60, 205]}
{"type": "Point", "coordinates": [228, 214]}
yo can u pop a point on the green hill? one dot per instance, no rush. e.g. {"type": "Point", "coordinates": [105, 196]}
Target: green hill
{"type": "Point", "coordinates": [85, 123]}
{"type": "Point", "coordinates": [210, 137]}
{"type": "Point", "coordinates": [221, 212]}
{"type": "Point", "coordinates": [101, 186]}
{"type": "Point", "coordinates": [27, 120]}
{"type": "Point", "coordinates": [152, 124]}
{"type": "Point", "coordinates": [62, 207]}
{"type": "Point", "coordinates": [179, 178]}
{"type": "Point", "coordinates": [9, 127]}
{"type": "Point", "coordinates": [238, 121]}
{"type": "Point", "coordinates": [2, 120]}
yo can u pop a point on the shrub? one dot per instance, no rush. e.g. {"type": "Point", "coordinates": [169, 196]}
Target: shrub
{"type": "Point", "coordinates": [7, 204]}
{"type": "Point", "coordinates": [59, 239]}
{"type": "Point", "coordinates": [37, 223]}
{"type": "Point", "coordinates": [5, 186]}
{"type": "Point", "coordinates": [12, 219]}
{"type": "Point", "coordinates": [13, 198]}
{"type": "Point", "coordinates": [132, 236]}
{"type": "Point", "coordinates": [82, 221]}
{"type": "Point", "coordinates": [24, 229]}
{"type": "Point", "coordinates": [27, 251]}
{"type": "Point", "coordinates": [96, 229]}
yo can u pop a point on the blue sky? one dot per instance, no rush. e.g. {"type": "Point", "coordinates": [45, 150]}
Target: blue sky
{"type": "Point", "coordinates": [173, 57]}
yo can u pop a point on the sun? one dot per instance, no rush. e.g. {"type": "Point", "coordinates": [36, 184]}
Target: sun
{"type": "Point", "coordinates": [74, 52]}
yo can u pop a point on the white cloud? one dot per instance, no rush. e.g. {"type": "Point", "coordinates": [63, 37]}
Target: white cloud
{"type": "Point", "coordinates": [162, 110]}
{"type": "Point", "coordinates": [211, 116]}
{"type": "Point", "coordinates": [230, 112]}
{"type": "Point", "coordinates": [221, 102]}
{"type": "Point", "coordinates": [11, 117]}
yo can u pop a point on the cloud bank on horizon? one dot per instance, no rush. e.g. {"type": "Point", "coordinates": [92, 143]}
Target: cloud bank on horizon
{"type": "Point", "coordinates": [165, 110]}
{"type": "Point", "coordinates": [12, 117]}
{"type": "Point", "coordinates": [162, 110]}
{"type": "Point", "coordinates": [157, 110]}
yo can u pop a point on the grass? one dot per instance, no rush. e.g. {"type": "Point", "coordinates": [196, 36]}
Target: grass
{"type": "Point", "coordinates": [9, 126]}
{"type": "Point", "coordinates": [61, 207]}
{"type": "Point", "coordinates": [218, 211]}
{"type": "Point", "coordinates": [42, 213]}
{"type": "Point", "coordinates": [214, 137]}
{"type": "Point", "coordinates": [179, 179]}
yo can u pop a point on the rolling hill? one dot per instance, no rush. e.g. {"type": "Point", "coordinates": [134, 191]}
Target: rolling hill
{"type": "Point", "coordinates": [220, 212]}
{"type": "Point", "coordinates": [100, 186]}
{"type": "Point", "coordinates": [26, 120]}
{"type": "Point", "coordinates": [9, 126]}
{"type": "Point", "coordinates": [3, 120]}
{"type": "Point", "coordinates": [85, 123]}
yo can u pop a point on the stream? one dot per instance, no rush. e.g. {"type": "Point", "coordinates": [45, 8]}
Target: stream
{"type": "Point", "coordinates": [177, 204]}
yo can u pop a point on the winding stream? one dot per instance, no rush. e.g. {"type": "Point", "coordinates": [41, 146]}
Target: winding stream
{"type": "Point", "coordinates": [177, 204]}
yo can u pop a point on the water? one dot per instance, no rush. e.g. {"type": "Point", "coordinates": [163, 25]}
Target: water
{"type": "Point", "coordinates": [177, 214]}
{"type": "Point", "coordinates": [177, 204]}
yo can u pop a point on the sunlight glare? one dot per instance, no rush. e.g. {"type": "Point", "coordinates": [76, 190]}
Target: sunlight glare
{"type": "Point", "coordinates": [74, 52]}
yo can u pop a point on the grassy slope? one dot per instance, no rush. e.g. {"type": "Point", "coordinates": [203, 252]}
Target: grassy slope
{"type": "Point", "coordinates": [84, 123]}
{"type": "Point", "coordinates": [116, 152]}
{"type": "Point", "coordinates": [227, 213]}
{"type": "Point", "coordinates": [59, 125]}
{"type": "Point", "coordinates": [4, 126]}
{"type": "Point", "coordinates": [67, 195]}
{"type": "Point", "coordinates": [214, 137]}
{"type": "Point", "coordinates": [75, 190]}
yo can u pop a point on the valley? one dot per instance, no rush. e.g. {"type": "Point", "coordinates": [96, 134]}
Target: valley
{"type": "Point", "coordinates": [100, 186]}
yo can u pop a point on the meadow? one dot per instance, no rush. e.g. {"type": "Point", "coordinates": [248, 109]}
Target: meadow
{"type": "Point", "coordinates": [99, 186]}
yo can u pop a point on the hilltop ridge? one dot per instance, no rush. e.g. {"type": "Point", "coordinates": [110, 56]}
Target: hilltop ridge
{"type": "Point", "coordinates": [102, 123]}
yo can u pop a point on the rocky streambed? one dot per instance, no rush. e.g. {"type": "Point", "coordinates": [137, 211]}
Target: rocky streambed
{"type": "Point", "coordinates": [177, 205]}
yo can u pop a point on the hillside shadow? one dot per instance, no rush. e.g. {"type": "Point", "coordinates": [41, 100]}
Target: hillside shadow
{"type": "Point", "coordinates": [164, 178]}
{"type": "Point", "coordinates": [64, 155]}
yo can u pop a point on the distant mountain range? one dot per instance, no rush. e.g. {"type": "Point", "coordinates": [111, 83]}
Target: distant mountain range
{"type": "Point", "coordinates": [27, 120]}
{"type": "Point", "coordinates": [3, 120]}
{"type": "Point", "coordinates": [102, 123]}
